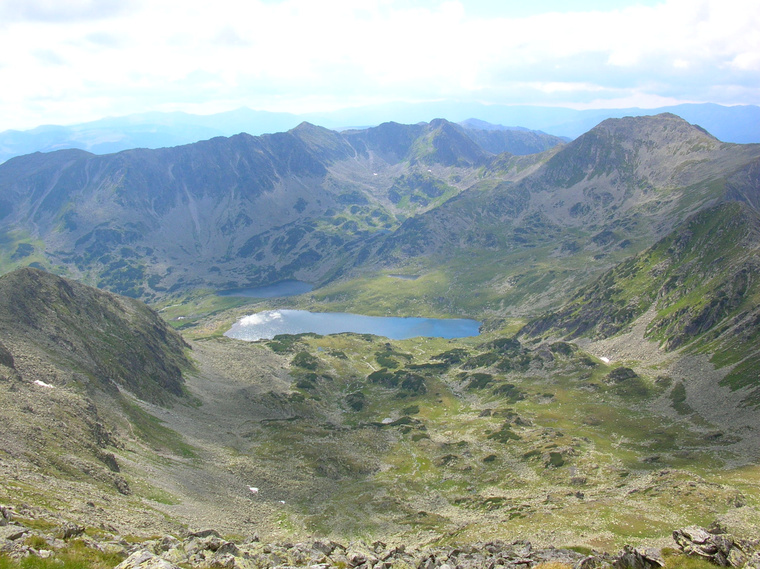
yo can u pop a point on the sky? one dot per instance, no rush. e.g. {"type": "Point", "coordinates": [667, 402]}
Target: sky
{"type": "Point", "coordinates": [71, 61]}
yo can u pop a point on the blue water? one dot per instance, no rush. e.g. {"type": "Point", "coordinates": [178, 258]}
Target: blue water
{"type": "Point", "coordinates": [282, 288]}
{"type": "Point", "coordinates": [266, 325]}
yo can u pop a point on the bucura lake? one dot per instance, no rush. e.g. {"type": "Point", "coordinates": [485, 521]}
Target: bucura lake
{"type": "Point", "coordinates": [268, 324]}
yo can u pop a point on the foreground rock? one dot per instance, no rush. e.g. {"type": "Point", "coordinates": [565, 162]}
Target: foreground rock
{"type": "Point", "coordinates": [718, 547]}
{"type": "Point", "coordinates": [208, 549]}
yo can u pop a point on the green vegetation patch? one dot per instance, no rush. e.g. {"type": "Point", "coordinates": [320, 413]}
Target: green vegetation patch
{"type": "Point", "coordinates": [75, 555]}
{"type": "Point", "coordinates": [152, 430]}
{"type": "Point", "coordinates": [678, 399]}
{"type": "Point", "coordinates": [505, 434]}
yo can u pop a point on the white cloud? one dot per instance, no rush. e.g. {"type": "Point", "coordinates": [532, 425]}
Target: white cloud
{"type": "Point", "coordinates": [58, 11]}
{"type": "Point", "coordinates": [95, 58]}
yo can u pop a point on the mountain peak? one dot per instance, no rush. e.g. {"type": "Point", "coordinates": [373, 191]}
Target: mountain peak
{"type": "Point", "coordinates": [324, 144]}
{"type": "Point", "coordinates": [446, 143]}
{"type": "Point", "coordinates": [666, 127]}
{"type": "Point", "coordinates": [306, 126]}
{"type": "Point", "coordinates": [646, 149]}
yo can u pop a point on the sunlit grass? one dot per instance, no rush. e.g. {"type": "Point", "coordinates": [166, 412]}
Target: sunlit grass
{"type": "Point", "coordinates": [76, 555]}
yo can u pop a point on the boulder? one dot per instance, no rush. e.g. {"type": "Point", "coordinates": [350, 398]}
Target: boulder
{"type": "Point", "coordinates": [144, 559]}
{"type": "Point", "coordinates": [12, 532]}
{"type": "Point", "coordinates": [6, 515]}
{"type": "Point", "coordinates": [718, 547]}
{"type": "Point", "coordinates": [631, 558]}
{"type": "Point", "coordinates": [698, 542]}
{"type": "Point", "coordinates": [600, 561]}
{"type": "Point", "coordinates": [69, 530]}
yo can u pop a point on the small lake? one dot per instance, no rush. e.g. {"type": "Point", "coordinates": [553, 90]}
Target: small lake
{"type": "Point", "coordinates": [276, 290]}
{"type": "Point", "coordinates": [268, 324]}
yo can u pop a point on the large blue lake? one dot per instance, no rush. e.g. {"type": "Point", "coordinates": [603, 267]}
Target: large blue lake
{"type": "Point", "coordinates": [266, 325]}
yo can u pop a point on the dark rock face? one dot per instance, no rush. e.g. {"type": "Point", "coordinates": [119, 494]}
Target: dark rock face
{"type": "Point", "coordinates": [6, 358]}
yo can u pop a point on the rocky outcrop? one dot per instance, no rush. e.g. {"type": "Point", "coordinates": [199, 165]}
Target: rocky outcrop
{"type": "Point", "coordinates": [718, 547]}
{"type": "Point", "coordinates": [628, 558]}
{"type": "Point", "coordinates": [6, 515]}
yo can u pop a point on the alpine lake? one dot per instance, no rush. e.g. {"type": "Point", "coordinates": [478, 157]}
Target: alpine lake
{"type": "Point", "coordinates": [268, 324]}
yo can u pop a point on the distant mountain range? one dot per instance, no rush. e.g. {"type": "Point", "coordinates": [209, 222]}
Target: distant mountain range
{"type": "Point", "coordinates": [234, 211]}
{"type": "Point", "coordinates": [315, 205]}
{"type": "Point", "coordinates": [740, 124]}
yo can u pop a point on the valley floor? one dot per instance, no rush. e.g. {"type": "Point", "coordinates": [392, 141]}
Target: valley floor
{"type": "Point", "coordinates": [559, 464]}
{"type": "Point", "coordinates": [421, 441]}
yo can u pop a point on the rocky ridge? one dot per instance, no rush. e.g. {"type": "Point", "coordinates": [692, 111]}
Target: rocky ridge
{"type": "Point", "coordinates": [228, 211]}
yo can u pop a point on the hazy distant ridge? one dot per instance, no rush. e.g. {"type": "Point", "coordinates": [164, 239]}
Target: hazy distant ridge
{"type": "Point", "coordinates": [739, 124]}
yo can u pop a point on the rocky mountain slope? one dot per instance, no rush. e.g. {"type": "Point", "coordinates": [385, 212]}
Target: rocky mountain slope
{"type": "Point", "coordinates": [229, 211]}
{"type": "Point", "coordinates": [72, 360]}
{"type": "Point", "coordinates": [93, 339]}
{"type": "Point", "coordinates": [651, 171]}
{"type": "Point", "coordinates": [589, 204]}
{"type": "Point", "coordinates": [424, 439]}
{"type": "Point", "coordinates": [697, 287]}
{"type": "Point", "coordinates": [420, 441]}
{"type": "Point", "coordinates": [521, 141]}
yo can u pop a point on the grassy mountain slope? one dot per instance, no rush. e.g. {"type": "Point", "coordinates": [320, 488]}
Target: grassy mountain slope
{"type": "Point", "coordinates": [700, 282]}
{"type": "Point", "coordinates": [585, 206]}
{"type": "Point", "coordinates": [76, 366]}
{"type": "Point", "coordinates": [97, 339]}
{"type": "Point", "coordinates": [352, 436]}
